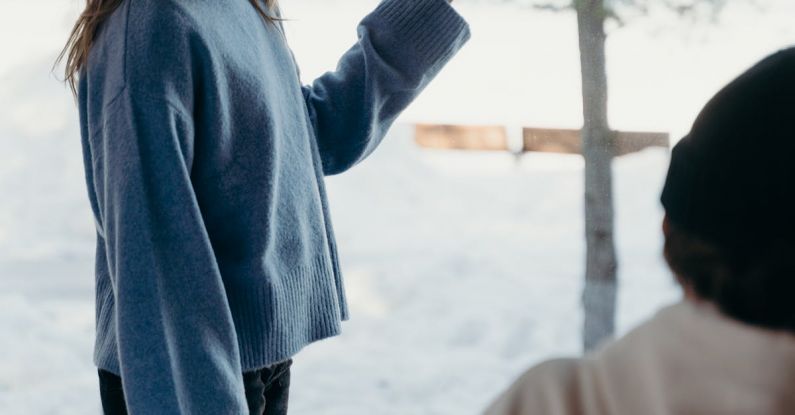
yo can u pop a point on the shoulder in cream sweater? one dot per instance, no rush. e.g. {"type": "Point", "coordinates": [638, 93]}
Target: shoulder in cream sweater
{"type": "Point", "coordinates": [688, 359]}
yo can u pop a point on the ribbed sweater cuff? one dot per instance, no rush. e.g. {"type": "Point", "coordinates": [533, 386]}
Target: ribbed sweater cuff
{"type": "Point", "coordinates": [435, 29]}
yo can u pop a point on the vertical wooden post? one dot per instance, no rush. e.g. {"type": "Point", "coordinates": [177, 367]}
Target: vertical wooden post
{"type": "Point", "coordinates": [599, 296]}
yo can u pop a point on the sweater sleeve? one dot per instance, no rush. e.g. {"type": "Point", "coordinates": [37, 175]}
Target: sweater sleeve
{"type": "Point", "coordinates": [402, 46]}
{"type": "Point", "coordinates": [177, 344]}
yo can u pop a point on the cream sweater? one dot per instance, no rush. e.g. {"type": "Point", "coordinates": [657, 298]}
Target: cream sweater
{"type": "Point", "coordinates": [688, 359]}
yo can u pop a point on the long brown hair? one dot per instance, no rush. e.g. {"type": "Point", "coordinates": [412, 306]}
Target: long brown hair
{"type": "Point", "coordinates": [82, 36]}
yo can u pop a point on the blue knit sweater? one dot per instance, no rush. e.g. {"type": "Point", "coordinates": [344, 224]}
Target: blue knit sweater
{"type": "Point", "coordinates": [204, 160]}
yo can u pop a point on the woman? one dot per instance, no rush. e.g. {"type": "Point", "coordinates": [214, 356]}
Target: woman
{"type": "Point", "coordinates": [204, 160]}
{"type": "Point", "coordinates": [729, 346]}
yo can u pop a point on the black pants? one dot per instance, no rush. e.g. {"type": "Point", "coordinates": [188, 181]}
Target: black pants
{"type": "Point", "coordinates": [267, 391]}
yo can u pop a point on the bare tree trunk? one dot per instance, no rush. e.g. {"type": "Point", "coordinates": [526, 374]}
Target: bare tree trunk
{"type": "Point", "coordinates": [599, 297]}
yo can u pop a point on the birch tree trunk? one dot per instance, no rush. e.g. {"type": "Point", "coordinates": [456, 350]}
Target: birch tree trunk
{"type": "Point", "coordinates": [599, 296]}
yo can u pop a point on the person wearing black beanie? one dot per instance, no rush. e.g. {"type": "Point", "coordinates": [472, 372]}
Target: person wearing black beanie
{"type": "Point", "coordinates": [729, 346]}
{"type": "Point", "coordinates": [730, 198]}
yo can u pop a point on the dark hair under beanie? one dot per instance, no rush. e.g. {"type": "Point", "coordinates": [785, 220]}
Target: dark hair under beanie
{"type": "Point", "coordinates": [731, 183]}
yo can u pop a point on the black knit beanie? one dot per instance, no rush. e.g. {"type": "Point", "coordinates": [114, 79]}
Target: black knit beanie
{"type": "Point", "coordinates": [731, 184]}
{"type": "Point", "coordinates": [731, 181]}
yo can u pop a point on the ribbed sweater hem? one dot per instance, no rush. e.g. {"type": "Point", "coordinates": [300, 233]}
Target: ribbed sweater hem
{"type": "Point", "coordinates": [274, 321]}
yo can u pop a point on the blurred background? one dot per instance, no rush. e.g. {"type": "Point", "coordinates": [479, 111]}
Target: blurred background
{"type": "Point", "coordinates": [463, 267]}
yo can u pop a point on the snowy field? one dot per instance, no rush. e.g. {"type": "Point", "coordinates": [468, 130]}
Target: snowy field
{"type": "Point", "coordinates": [462, 268]}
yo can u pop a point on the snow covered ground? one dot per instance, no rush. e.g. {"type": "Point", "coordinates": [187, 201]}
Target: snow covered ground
{"type": "Point", "coordinates": [462, 268]}
{"type": "Point", "coordinates": [465, 268]}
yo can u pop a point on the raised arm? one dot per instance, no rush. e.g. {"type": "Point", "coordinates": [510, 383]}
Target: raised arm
{"type": "Point", "coordinates": [402, 46]}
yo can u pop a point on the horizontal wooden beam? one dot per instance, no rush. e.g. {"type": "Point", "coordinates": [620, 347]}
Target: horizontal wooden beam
{"type": "Point", "coordinates": [495, 138]}
{"type": "Point", "coordinates": [570, 141]}
{"type": "Point", "coordinates": [459, 137]}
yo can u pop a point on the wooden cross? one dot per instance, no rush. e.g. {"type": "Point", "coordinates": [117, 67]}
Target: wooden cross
{"type": "Point", "coordinates": [495, 138]}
